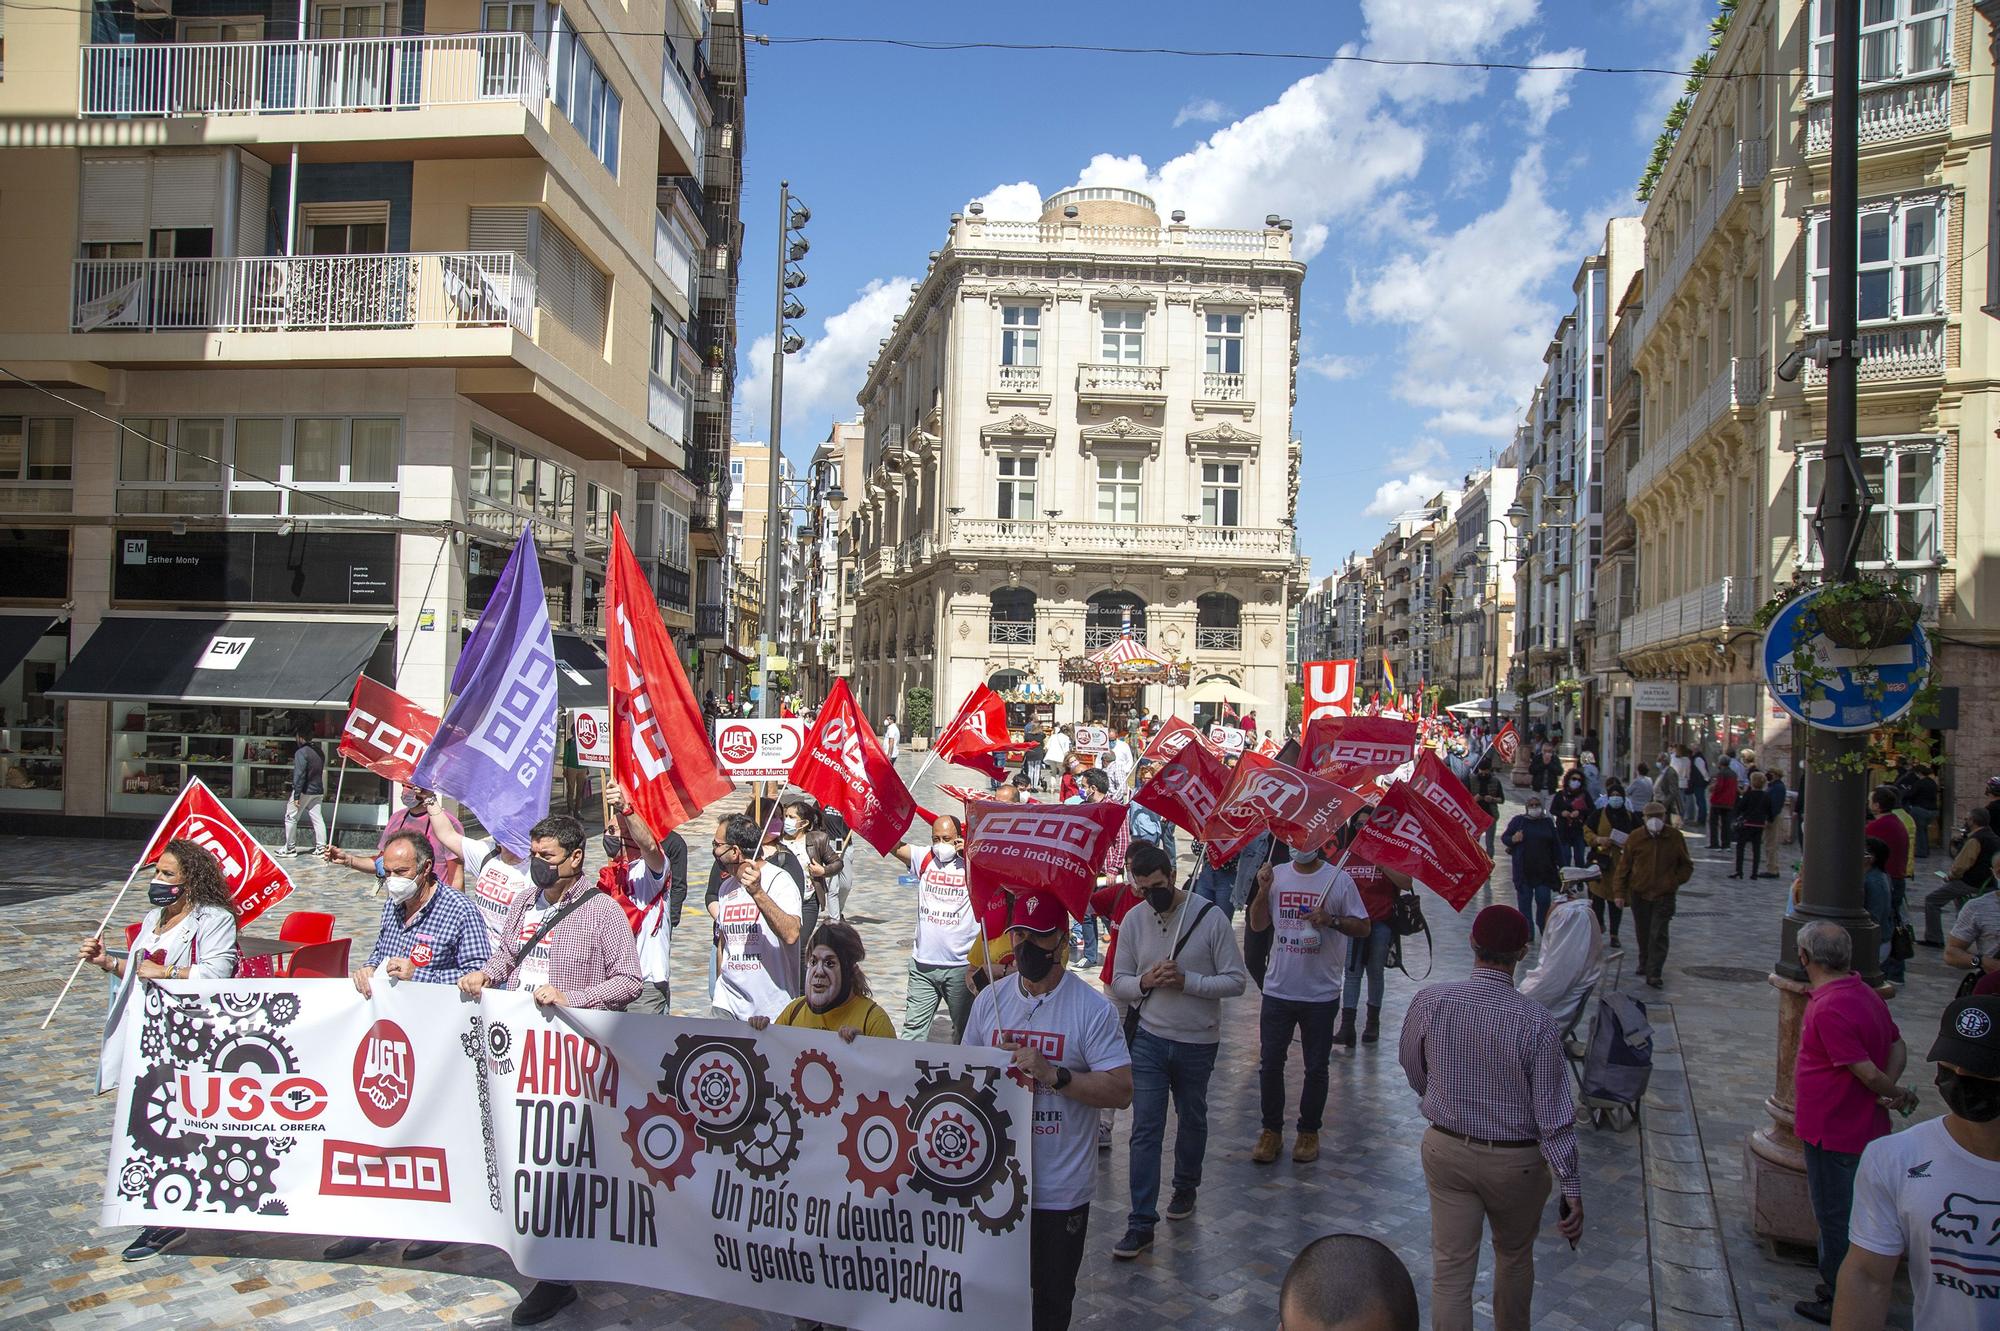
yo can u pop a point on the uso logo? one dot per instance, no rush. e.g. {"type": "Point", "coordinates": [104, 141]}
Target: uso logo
{"type": "Point", "coordinates": [737, 744]}
{"type": "Point", "coordinates": [384, 1070]}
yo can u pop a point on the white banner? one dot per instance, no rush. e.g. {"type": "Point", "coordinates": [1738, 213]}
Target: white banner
{"type": "Point", "coordinates": [759, 750]}
{"type": "Point", "coordinates": [591, 728]}
{"type": "Point", "coordinates": [878, 1184]}
{"type": "Point", "coordinates": [1093, 740]}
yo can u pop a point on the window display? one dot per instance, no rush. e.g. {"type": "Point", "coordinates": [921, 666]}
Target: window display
{"type": "Point", "coordinates": [31, 728]}
{"type": "Point", "coordinates": [243, 754]}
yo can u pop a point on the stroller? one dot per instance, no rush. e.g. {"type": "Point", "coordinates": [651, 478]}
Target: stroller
{"type": "Point", "coordinates": [1614, 1070]}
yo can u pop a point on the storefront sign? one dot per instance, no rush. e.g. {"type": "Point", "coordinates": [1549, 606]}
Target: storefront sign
{"type": "Point", "coordinates": [759, 750]}
{"type": "Point", "coordinates": [256, 568]}
{"type": "Point", "coordinates": [224, 653]}
{"type": "Point", "coordinates": [1654, 695]}
{"type": "Point", "coordinates": [592, 728]}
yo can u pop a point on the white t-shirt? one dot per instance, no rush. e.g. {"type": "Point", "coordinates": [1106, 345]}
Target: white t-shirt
{"type": "Point", "coordinates": [652, 939]}
{"type": "Point", "coordinates": [1921, 1194]}
{"type": "Point", "coordinates": [1077, 1028]}
{"type": "Point", "coordinates": [1055, 749]}
{"type": "Point", "coordinates": [1308, 963]}
{"type": "Point", "coordinates": [759, 974]}
{"type": "Point", "coordinates": [890, 734]}
{"type": "Point", "coordinates": [946, 925]}
{"type": "Point", "coordinates": [532, 971]}
{"type": "Point", "coordinates": [494, 886]}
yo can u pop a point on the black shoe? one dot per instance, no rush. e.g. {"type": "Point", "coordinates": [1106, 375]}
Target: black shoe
{"type": "Point", "coordinates": [1814, 1310]}
{"type": "Point", "coordinates": [153, 1239]}
{"type": "Point", "coordinates": [1925, 942]}
{"type": "Point", "coordinates": [1736, 875]}
{"type": "Point", "coordinates": [544, 1301]}
{"type": "Point", "coordinates": [1136, 1241]}
{"type": "Point", "coordinates": [1182, 1205]}
{"type": "Point", "coordinates": [342, 1249]}
{"type": "Point", "coordinates": [1371, 1030]}
{"type": "Point", "coordinates": [1655, 982]}
{"type": "Point", "coordinates": [1344, 1037]}
{"type": "Point", "coordinates": [416, 1252]}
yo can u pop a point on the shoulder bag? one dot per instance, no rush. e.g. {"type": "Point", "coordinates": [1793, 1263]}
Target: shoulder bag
{"type": "Point", "coordinates": [551, 922]}
{"type": "Point", "coordinates": [1132, 1013]}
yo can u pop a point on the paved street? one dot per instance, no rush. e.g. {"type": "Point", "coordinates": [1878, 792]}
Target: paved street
{"type": "Point", "coordinates": [58, 1269]}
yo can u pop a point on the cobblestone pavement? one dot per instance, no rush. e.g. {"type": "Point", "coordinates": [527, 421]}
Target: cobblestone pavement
{"type": "Point", "coordinates": [1220, 1269]}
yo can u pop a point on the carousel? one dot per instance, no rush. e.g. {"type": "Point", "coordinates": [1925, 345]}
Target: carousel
{"type": "Point", "coordinates": [1124, 667]}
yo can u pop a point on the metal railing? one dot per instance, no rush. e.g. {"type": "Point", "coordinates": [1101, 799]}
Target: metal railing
{"type": "Point", "coordinates": [978, 230]}
{"type": "Point", "coordinates": [1011, 633]}
{"type": "Point", "coordinates": [711, 621]}
{"type": "Point", "coordinates": [1103, 635]}
{"type": "Point", "coordinates": [666, 409]}
{"type": "Point", "coordinates": [1740, 385]}
{"type": "Point", "coordinates": [1166, 538]}
{"type": "Point", "coordinates": [685, 112]}
{"type": "Point", "coordinates": [913, 553]}
{"type": "Point", "coordinates": [674, 254]}
{"type": "Point", "coordinates": [1222, 387]}
{"type": "Point", "coordinates": [1120, 378]}
{"type": "Point", "coordinates": [1744, 169]}
{"type": "Point", "coordinates": [1705, 608]}
{"type": "Point", "coordinates": [1218, 640]}
{"type": "Point", "coordinates": [1899, 351]}
{"type": "Point", "coordinates": [313, 76]}
{"type": "Point", "coordinates": [303, 293]}
{"type": "Point", "coordinates": [1896, 111]}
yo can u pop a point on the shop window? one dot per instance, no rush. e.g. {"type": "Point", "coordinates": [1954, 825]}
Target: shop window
{"type": "Point", "coordinates": [32, 727]}
{"type": "Point", "coordinates": [243, 754]}
{"type": "Point", "coordinates": [36, 459]}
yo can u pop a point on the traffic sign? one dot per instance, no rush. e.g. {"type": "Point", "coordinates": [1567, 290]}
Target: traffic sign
{"type": "Point", "coordinates": [1865, 689]}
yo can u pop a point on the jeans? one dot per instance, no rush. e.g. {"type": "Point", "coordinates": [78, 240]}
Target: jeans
{"type": "Point", "coordinates": [928, 985]}
{"type": "Point", "coordinates": [1923, 818]}
{"type": "Point", "coordinates": [1160, 1065]}
{"type": "Point", "coordinates": [1893, 967]}
{"type": "Point", "coordinates": [1571, 849]}
{"type": "Point", "coordinates": [1275, 1023]}
{"type": "Point", "coordinates": [1083, 939]}
{"type": "Point", "coordinates": [1055, 1253]}
{"type": "Point", "coordinates": [1751, 838]}
{"type": "Point", "coordinates": [1218, 887]}
{"type": "Point", "coordinates": [1367, 956]}
{"type": "Point", "coordinates": [1694, 808]}
{"type": "Point", "coordinates": [1598, 907]}
{"type": "Point", "coordinates": [808, 921]}
{"type": "Point", "coordinates": [1718, 826]}
{"type": "Point", "coordinates": [1533, 900]}
{"type": "Point", "coordinates": [1953, 893]}
{"type": "Point", "coordinates": [1650, 920]}
{"type": "Point", "coordinates": [1830, 1183]}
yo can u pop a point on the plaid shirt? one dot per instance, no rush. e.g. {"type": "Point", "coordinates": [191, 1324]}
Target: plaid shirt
{"type": "Point", "coordinates": [1489, 1064]}
{"type": "Point", "coordinates": [446, 939]}
{"type": "Point", "coordinates": [591, 954]}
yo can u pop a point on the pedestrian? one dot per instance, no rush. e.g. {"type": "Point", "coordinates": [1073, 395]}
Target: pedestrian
{"type": "Point", "coordinates": [1850, 1057]}
{"type": "Point", "coordinates": [837, 997]}
{"type": "Point", "coordinates": [1694, 788]}
{"type": "Point", "coordinates": [1488, 1066]}
{"type": "Point", "coordinates": [1489, 795]}
{"type": "Point", "coordinates": [1593, 780]}
{"type": "Point", "coordinates": [757, 925]}
{"type": "Point", "coordinates": [1037, 753]}
{"type": "Point", "coordinates": [1971, 873]}
{"type": "Point", "coordinates": [1572, 807]}
{"type": "Point", "coordinates": [1921, 799]}
{"type": "Point", "coordinates": [1974, 941]}
{"type": "Point", "coordinates": [308, 790]}
{"type": "Point", "coordinates": [1143, 824]}
{"type": "Point", "coordinates": [1119, 768]}
{"type": "Point", "coordinates": [892, 737]}
{"type": "Point", "coordinates": [1313, 909]}
{"type": "Point", "coordinates": [1778, 830]}
{"type": "Point", "coordinates": [1043, 1006]}
{"type": "Point", "coordinates": [1571, 959]}
{"type": "Point", "coordinates": [1651, 869]}
{"type": "Point", "coordinates": [1176, 960]}
{"type": "Point", "coordinates": [1722, 793]}
{"type": "Point", "coordinates": [569, 946]}
{"type": "Point", "coordinates": [1369, 957]}
{"type": "Point", "coordinates": [1875, 899]}
{"type": "Point", "coordinates": [1753, 815]}
{"type": "Point", "coordinates": [1667, 791]}
{"type": "Point", "coordinates": [801, 834]}
{"type": "Point", "coordinates": [420, 813]}
{"type": "Point", "coordinates": [648, 880]}
{"type": "Point", "coordinates": [1536, 858]}
{"type": "Point", "coordinates": [1347, 1282]}
{"type": "Point", "coordinates": [1616, 822]}
{"type": "Point", "coordinates": [946, 928]}
{"type": "Point", "coordinates": [429, 934]}
{"type": "Point", "coordinates": [1055, 754]}
{"type": "Point", "coordinates": [1544, 770]}
{"type": "Point", "coordinates": [1639, 790]}
{"type": "Point", "coordinates": [1093, 786]}
{"type": "Point", "coordinates": [1920, 1193]}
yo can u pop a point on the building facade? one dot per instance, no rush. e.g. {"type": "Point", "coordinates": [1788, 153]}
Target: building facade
{"type": "Point", "coordinates": [1477, 617]}
{"type": "Point", "coordinates": [1081, 424]}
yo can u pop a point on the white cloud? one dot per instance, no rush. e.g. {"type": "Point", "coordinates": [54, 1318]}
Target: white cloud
{"type": "Point", "coordinates": [1397, 496]}
{"type": "Point", "coordinates": [822, 379]}
{"type": "Point", "coordinates": [1687, 22]}
{"type": "Point", "coordinates": [1419, 455]}
{"type": "Point", "coordinates": [1335, 368]}
{"type": "Point", "coordinates": [1018, 202]}
{"type": "Point", "coordinates": [1544, 90]}
{"type": "Point", "coordinates": [1201, 111]}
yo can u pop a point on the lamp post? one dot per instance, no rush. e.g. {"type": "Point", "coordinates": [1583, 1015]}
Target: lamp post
{"type": "Point", "coordinates": [1519, 513]}
{"type": "Point", "coordinates": [1485, 553]}
{"type": "Point", "coordinates": [792, 247]}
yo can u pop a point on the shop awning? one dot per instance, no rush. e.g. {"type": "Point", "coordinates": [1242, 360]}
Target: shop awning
{"type": "Point", "coordinates": [18, 635]}
{"type": "Point", "coordinates": [299, 662]}
{"type": "Point", "coordinates": [583, 677]}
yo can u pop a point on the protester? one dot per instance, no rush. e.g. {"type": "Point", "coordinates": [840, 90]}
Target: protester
{"type": "Point", "coordinates": [647, 888]}
{"type": "Point", "coordinates": [1753, 814]}
{"type": "Point", "coordinates": [1488, 1066]}
{"type": "Point", "coordinates": [497, 876]}
{"type": "Point", "coordinates": [837, 997]}
{"type": "Point", "coordinates": [1142, 823]}
{"type": "Point", "coordinates": [1347, 1282]}
{"type": "Point", "coordinates": [1043, 1006]}
{"type": "Point", "coordinates": [1174, 963]}
{"type": "Point", "coordinates": [1921, 1193]}
{"type": "Point", "coordinates": [1314, 909]}
{"type": "Point", "coordinates": [1536, 857]}
{"type": "Point", "coordinates": [1227, 884]}
{"type": "Point", "coordinates": [419, 813]}
{"type": "Point", "coordinates": [307, 791]}
{"type": "Point", "coordinates": [1723, 791]}
{"type": "Point", "coordinates": [815, 853]}
{"type": "Point", "coordinates": [946, 928]}
{"type": "Point", "coordinates": [1571, 959]}
{"type": "Point", "coordinates": [1654, 864]}
{"type": "Point", "coordinates": [1094, 787]}
{"type": "Point", "coordinates": [1971, 873]}
{"type": "Point", "coordinates": [1850, 1057]}
{"type": "Point", "coordinates": [757, 925]}
{"type": "Point", "coordinates": [1369, 957]}
{"type": "Point", "coordinates": [1489, 795]}
{"type": "Point", "coordinates": [1614, 826]}
{"type": "Point", "coordinates": [892, 738]}
{"type": "Point", "coordinates": [568, 945]}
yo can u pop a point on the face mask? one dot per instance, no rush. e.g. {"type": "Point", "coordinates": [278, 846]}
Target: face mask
{"type": "Point", "coordinates": [412, 801]}
{"type": "Point", "coordinates": [792, 826]}
{"type": "Point", "coordinates": [1305, 859]}
{"type": "Point", "coordinates": [1974, 1099]}
{"type": "Point", "coordinates": [1161, 899]}
{"type": "Point", "coordinates": [1616, 801]}
{"type": "Point", "coordinates": [1034, 962]}
{"type": "Point", "coordinates": [614, 845]}
{"type": "Point", "coordinates": [163, 893]}
{"type": "Point", "coordinates": [1656, 825]}
{"type": "Point", "coordinates": [543, 874]}
{"type": "Point", "coordinates": [1534, 810]}
{"type": "Point", "coordinates": [400, 889]}
{"type": "Point", "coordinates": [944, 852]}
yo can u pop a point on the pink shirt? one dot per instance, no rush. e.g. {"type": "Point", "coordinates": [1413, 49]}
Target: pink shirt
{"type": "Point", "coordinates": [1846, 1022]}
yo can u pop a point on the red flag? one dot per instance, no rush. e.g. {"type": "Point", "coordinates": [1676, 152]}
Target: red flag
{"type": "Point", "coordinates": [1174, 736]}
{"type": "Point", "coordinates": [385, 732]}
{"type": "Point", "coordinates": [1436, 786]}
{"type": "Point", "coordinates": [1270, 748]}
{"type": "Point", "coordinates": [1329, 688]}
{"type": "Point", "coordinates": [843, 767]}
{"type": "Point", "coordinates": [1187, 790]}
{"type": "Point", "coordinates": [1025, 848]}
{"type": "Point", "coordinates": [1355, 749]}
{"type": "Point", "coordinates": [256, 883]}
{"type": "Point", "coordinates": [1506, 744]}
{"type": "Point", "coordinates": [1409, 835]}
{"type": "Point", "coordinates": [660, 752]}
{"type": "Point", "coordinates": [1302, 810]}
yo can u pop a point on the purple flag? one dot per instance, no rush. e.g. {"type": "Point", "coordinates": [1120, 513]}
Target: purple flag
{"type": "Point", "coordinates": [495, 750]}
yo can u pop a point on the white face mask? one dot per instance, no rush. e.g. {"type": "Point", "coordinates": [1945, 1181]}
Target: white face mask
{"type": "Point", "coordinates": [944, 852]}
{"type": "Point", "coordinates": [1656, 825]}
{"type": "Point", "coordinates": [398, 888]}
{"type": "Point", "coordinates": [792, 826]}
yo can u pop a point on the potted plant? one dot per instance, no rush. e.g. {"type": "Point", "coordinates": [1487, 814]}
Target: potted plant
{"type": "Point", "coordinates": [917, 717]}
{"type": "Point", "coordinates": [1866, 615]}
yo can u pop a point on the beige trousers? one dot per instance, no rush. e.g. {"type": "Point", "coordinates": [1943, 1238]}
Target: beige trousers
{"type": "Point", "coordinates": [1469, 1186]}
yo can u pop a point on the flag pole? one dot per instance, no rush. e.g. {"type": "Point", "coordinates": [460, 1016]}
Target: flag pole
{"type": "Point", "coordinates": [105, 923]}
{"type": "Point", "coordinates": [945, 737]}
{"type": "Point", "coordinates": [333, 818]}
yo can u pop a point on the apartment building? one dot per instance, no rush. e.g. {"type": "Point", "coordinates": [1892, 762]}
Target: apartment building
{"type": "Point", "coordinates": [1316, 628]}
{"type": "Point", "coordinates": [826, 645]}
{"type": "Point", "coordinates": [1080, 427]}
{"type": "Point", "coordinates": [309, 323]}
{"type": "Point", "coordinates": [1476, 620]}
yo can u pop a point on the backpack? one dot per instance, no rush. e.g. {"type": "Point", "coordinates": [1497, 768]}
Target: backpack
{"type": "Point", "coordinates": [1619, 1062]}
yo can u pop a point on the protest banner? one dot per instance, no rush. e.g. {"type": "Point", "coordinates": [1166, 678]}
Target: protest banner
{"type": "Point", "coordinates": [1329, 688]}
{"type": "Point", "coordinates": [1187, 788]}
{"type": "Point", "coordinates": [1092, 741]}
{"type": "Point", "coordinates": [876, 1184]}
{"type": "Point", "coordinates": [1302, 810]}
{"type": "Point", "coordinates": [1435, 784]}
{"type": "Point", "coordinates": [1358, 750]}
{"type": "Point", "coordinates": [842, 765]}
{"type": "Point", "coordinates": [1059, 848]}
{"type": "Point", "coordinates": [256, 881]}
{"type": "Point", "coordinates": [759, 749]}
{"type": "Point", "coordinates": [1410, 835]}
{"type": "Point", "coordinates": [1175, 735]}
{"type": "Point", "coordinates": [385, 732]}
{"type": "Point", "coordinates": [590, 727]}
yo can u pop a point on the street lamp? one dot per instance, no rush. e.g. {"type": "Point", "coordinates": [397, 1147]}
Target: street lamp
{"type": "Point", "coordinates": [1485, 553]}
{"type": "Point", "coordinates": [1519, 513]}
{"type": "Point", "coordinates": [792, 247]}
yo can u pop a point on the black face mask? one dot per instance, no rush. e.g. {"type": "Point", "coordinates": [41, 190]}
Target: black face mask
{"type": "Point", "coordinates": [1974, 1099]}
{"type": "Point", "coordinates": [543, 874]}
{"type": "Point", "coordinates": [1161, 899]}
{"type": "Point", "coordinates": [614, 845]}
{"type": "Point", "coordinates": [163, 893]}
{"type": "Point", "coordinates": [1034, 962]}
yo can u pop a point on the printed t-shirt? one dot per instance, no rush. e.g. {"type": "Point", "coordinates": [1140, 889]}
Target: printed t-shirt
{"type": "Point", "coordinates": [1921, 1193]}
{"type": "Point", "coordinates": [1075, 1027]}
{"type": "Point", "coordinates": [864, 1014]}
{"type": "Point", "coordinates": [758, 971]}
{"type": "Point", "coordinates": [494, 886]}
{"type": "Point", "coordinates": [531, 972]}
{"type": "Point", "coordinates": [651, 938]}
{"type": "Point", "coordinates": [946, 924]}
{"type": "Point", "coordinates": [1845, 1022]}
{"type": "Point", "coordinates": [1307, 962]}
{"type": "Point", "coordinates": [1378, 894]}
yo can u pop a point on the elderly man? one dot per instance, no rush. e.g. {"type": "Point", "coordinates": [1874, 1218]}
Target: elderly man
{"type": "Point", "coordinates": [1488, 1063]}
{"type": "Point", "coordinates": [1347, 1282]}
{"type": "Point", "coordinates": [1651, 868]}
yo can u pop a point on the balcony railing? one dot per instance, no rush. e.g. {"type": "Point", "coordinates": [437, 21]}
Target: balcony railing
{"type": "Point", "coordinates": [1011, 633]}
{"type": "Point", "coordinates": [1218, 640]}
{"type": "Point", "coordinates": [1019, 378]}
{"type": "Point", "coordinates": [1740, 385]}
{"type": "Point", "coordinates": [1719, 603]}
{"type": "Point", "coordinates": [1899, 351]}
{"type": "Point", "coordinates": [686, 112]}
{"type": "Point", "coordinates": [913, 553]}
{"type": "Point", "coordinates": [1103, 635]}
{"type": "Point", "coordinates": [1744, 169]}
{"type": "Point", "coordinates": [1222, 387]}
{"type": "Point", "coordinates": [711, 621]}
{"type": "Point", "coordinates": [1896, 111]}
{"type": "Point", "coordinates": [666, 409]}
{"type": "Point", "coordinates": [1163, 538]}
{"type": "Point", "coordinates": [1121, 379]}
{"type": "Point", "coordinates": [976, 231]}
{"type": "Point", "coordinates": [674, 255]}
{"type": "Point", "coordinates": [314, 76]}
{"type": "Point", "coordinates": [313, 293]}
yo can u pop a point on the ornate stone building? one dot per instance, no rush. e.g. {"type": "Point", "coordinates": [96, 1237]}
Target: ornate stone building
{"type": "Point", "coordinates": [1080, 422]}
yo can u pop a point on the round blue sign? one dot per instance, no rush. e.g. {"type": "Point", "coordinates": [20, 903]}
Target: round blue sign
{"type": "Point", "coordinates": [1866, 689]}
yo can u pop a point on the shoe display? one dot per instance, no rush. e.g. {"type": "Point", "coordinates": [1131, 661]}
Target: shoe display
{"type": "Point", "coordinates": [544, 1301]}
{"type": "Point", "coordinates": [1182, 1205]}
{"type": "Point", "coordinates": [1306, 1149]}
{"type": "Point", "coordinates": [1136, 1241]}
{"type": "Point", "coordinates": [1268, 1145]}
{"type": "Point", "coordinates": [341, 1250]}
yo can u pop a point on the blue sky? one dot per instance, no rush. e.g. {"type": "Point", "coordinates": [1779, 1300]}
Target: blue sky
{"type": "Point", "coordinates": [1443, 212]}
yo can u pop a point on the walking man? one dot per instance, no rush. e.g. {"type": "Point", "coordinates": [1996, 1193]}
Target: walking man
{"type": "Point", "coordinates": [308, 791]}
{"type": "Point", "coordinates": [1488, 1065]}
{"type": "Point", "coordinates": [946, 928]}
{"type": "Point", "coordinates": [1650, 871]}
{"type": "Point", "coordinates": [892, 737]}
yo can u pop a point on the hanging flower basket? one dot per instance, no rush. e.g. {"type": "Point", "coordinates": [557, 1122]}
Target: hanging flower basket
{"type": "Point", "coordinates": [1866, 623]}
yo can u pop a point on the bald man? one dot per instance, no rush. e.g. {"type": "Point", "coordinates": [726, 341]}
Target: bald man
{"type": "Point", "coordinates": [1347, 1282]}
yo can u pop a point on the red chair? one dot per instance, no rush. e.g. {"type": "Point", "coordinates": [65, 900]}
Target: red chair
{"type": "Point", "coordinates": [131, 932]}
{"type": "Point", "coordinates": [320, 961]}
{"type": "Point", "coordinates": [306, 926]}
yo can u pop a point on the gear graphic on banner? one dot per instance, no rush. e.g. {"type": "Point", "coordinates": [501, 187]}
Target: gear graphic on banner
{"type": "Point", "coordinates": [999, 1212]}
{"type": "Point", "coordinates": [878, 1144]}
{"type": "Point", "coordinates": [816, 1083]}
{"type": "Point", "coordinates": [963, 1148]}
{"type": "Point", "coordinates": [725, 1083]}
{"type": "Point", "coordinates": [774, 1142]}
{"type": "Point", "coordinates": [663, 1140]}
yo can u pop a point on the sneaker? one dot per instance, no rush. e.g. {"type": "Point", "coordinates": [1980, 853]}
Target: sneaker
{"type": "Point", "coordinates": [1818, 1311]}
{"type": "Point", "coordinates": [341, 1250]}
{"type": "Point", "coordinates": [416, 1252]}
{"type": "Point", "coordinates": [153, 1239]}
{"type": "Point", "coordinates": [1136, 1241]}
{"type": "Point", "coordinates": [544, 1301]}
{"type": "Point", "coordinates": [1306, 1149]}
{"type": "Point", "coordinates": [1182, 1205]}
{"type": "Point", "coordinates": [1268, 1145]}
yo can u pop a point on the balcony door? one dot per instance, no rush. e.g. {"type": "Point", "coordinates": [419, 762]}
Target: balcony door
{"type": "Point", "coordinates": [357, 71]}
{"type": "Point", "coordinates": [220, 80]}
{"type": "Point", "coordinates": [500, 61]}
{"type": "Point", "coordinates": [355, 286]}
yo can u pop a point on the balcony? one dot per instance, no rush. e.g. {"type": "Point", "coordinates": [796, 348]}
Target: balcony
{"type": "Point", "coordinates": [1896, 351]}
{"type": "Point", "coordinates": [1740, 385]}
{"type": "Point", "coordinates": [674, 254]}
{"type": "Point", "coordinates": [1135, 385]}
{"type": "Point", "coordinates": [666, 409]}
{"type": "Point", "coordinates": [913, 554]}
{"type": "Point", "coordinates": [1218, 640]}
{"type": "Point", "coordinates": [1889, 114]}
{"type": "Point", "coordinates": [1018, 379]}
{"type": "Point", "coordinates": [975, 231]}
{"type": "Point", "coordinates": [687, 108]}
{"type": "Point", "coordinates": [1743, 170]}
{"type": "Point", "coordinates": [1222, 388]}
{"type": "Point", "coordinates": [318, 293]}
{"type": "Point", "coordinates": [711, 621]}
{"type": "Point", "coordinates": [1163, 539]}
{"type": "Point", "coordinates": [1103, 635]}
{"type": "Point", "coordinates": [1715, 606]}
{"type": "Point", "coordinates": [1011, 633]}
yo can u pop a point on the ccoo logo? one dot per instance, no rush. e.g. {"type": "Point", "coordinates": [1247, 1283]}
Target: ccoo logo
{"type": "Point", "coordinates": [384, 1073]}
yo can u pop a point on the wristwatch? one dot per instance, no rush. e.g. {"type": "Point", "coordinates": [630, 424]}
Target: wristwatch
{"type": "Point", "coordinates": [1063, 1078]}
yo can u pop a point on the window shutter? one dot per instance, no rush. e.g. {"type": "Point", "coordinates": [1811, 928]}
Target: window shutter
{"type": "Point", "coordinates": [114, 199]}
{"type": "Point", "coordinates": [253, 205]}
{"type": "Point", "coordinates": [344, 214]}
{"type": "Point", "coordinates": [501, 230]}
{"type": "Point", "coordinates": [185, 191]}
{"type": "Point", "coordinates": [570, 286]}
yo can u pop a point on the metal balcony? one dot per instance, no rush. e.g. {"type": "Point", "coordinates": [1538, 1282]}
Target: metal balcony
{"type": "Point", "coordinates": [1011, 633]}
{"type": "Point", "coordinates": [1743, 170]}
{"type": "Point", "coordinates": [1889, 113]}
{"type": "Point", "coordinates": [1114, 537]}
{"type": "Point", "coordinates": [1913, 350]}
{"type": "Point", "coordinates": [1218, 640]}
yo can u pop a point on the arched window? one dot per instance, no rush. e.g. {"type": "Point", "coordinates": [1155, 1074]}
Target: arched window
{"type": "Point", "coordinates": [1012, 619]}
{"type": "Point", "coordinates": [1105, 615]}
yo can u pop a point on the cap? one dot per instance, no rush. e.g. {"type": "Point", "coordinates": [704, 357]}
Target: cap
{"type": "Point", "coordinates": [1653, 809]}
{"type": "Point", "coordinates": [1038, 912]}
{"type": "Point", "coordinates": [1969, 1036]}
{"type": "Point", "coordinates": [1500, 929]}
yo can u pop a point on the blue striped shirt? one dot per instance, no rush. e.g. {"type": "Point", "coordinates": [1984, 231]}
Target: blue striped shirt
{"type": "Point", "coordinates": [446, 940]}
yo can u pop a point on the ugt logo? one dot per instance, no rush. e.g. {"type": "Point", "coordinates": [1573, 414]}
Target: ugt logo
{"type": "Point", "coordinates": [384, 1073]}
